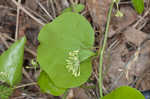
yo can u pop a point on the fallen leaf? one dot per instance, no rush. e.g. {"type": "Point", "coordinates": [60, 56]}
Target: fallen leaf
{"type": "Point", "coordinates": [118, 23]}
{"type": "Point", "coordinates": [98, 10]}
{"type": "Point", "coordinates": [135, 36]}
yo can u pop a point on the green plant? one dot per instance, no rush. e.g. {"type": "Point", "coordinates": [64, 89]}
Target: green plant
{"type": "Point", "coordinates": [11, 66]}
{"type": "Point", "coordinates": [138, 5]}
{"type": "Point", "coordinates": [64, 55]}
{"type": "Point", "coordinates": [124, 92]}
{"type": "Point", "coordinates": [67, 62]}
{"type": "Point", "coordinates": [11, 62]}
{"type": "Point", "coordinates": [5, 92]}
{"type": "Point", "coordinates": [47, 85]}
{"type": "Point", "coordinates": [75, 8]}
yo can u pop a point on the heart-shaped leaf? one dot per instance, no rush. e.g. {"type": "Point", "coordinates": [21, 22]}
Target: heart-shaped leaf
{"type": "Point", "coordinates": [124, 92]}
{"type": "Point", "coordinates": [47, 86]}
{"type": "Point", "coordinates": [64, 51]}
{"type": "Point", "coordinates": [11, 62]}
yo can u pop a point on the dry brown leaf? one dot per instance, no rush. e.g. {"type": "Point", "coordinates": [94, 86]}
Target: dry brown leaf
{"type": "Point", "coordinates": [134, 36]}
{"type": "Point", "coordinates": [82, 1]}
{"type": "Point", "coordinates": [80, 93]}
{"type": "Point", "coordinates": [117, 66]}
{"type": "Point", "coordinates": [143, 61]}
{"type": "Point", "coordinates": [145, 84]}
{"type": "Point", "coordinates": [118, 23]}
{"type": "Point", "coordinates": [98, 10]}
{"type": "Point", "coordinates": [32, 4]}
{"type": "Point", "coordinates": [121, 55]}
{"type": "Point", "coordinates": [137, 37]}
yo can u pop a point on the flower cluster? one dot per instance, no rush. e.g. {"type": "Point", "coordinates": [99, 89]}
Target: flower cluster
{"type": "Point", "coordinates": [73, 63]}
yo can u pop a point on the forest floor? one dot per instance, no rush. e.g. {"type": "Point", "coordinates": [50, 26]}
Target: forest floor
{"type": "Point", "coordinates": [125, 35]}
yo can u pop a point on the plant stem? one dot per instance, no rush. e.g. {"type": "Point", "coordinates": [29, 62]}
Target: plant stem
{"type": "Point", "coordinates": [29, 84]}
{"type": "Point", "coordinates": [103, 49]}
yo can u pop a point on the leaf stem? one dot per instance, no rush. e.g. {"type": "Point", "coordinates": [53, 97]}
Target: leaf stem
{"type": "Point", "coordinates": [103, 49]}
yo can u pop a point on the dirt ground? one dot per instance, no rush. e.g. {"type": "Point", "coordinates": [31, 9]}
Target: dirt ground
{"type": "Point", "coordinates": [127, 56]}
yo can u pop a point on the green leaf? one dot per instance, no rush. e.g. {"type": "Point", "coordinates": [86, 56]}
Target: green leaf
{"type": "Point", "coordinates": [11, 62]}
{"type": "Point", "coordinates": [5, 92]}
{"type": "Point", "coordinates": [124, 92]}
{"type": "Point", "coordinates": [68, 33]}
{"type": "Point", "coordinates": [76, 8]}
{"type": "Point", "coordinates": [85, 54]}
{"type": "Point", "coordinates": [138, 5]}
{"type": "Point", "coordinates": [47, 86]}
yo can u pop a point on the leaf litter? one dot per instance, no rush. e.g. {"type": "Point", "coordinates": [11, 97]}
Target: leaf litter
{"type": "Point", "coordinates": [122, 44]}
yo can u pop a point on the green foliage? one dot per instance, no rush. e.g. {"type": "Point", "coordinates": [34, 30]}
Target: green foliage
{"type": "Point", "coordinates": [74, 8]}
{"type": "Point", "coordinates": [64, 55]}
{"type": "Point", "coordinates": [138, 5]}
{"type": "Point", "coordinates": [5, 92]}
{"type": "Point", "coordinates": [48, 86]}
{"type": "Point", "coordinates": [11, 63]}
{"type": "Point", "coordinates": [3, 76]}
{"type": "Point", "coordinates": [59, 40]}
{"type": "Point", "coordinates": [119, 14]}
{"type": "Point", "coordinates": [124, 92]}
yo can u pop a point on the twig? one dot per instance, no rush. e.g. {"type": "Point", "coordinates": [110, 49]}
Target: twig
{"type": "Point", "coordinates": [65, 3]}
{"type": "Point", "coordinates": [101, 50]}
{"type": "Point", "coordinates": [76, 1]}
{"type": "Point", "coordinates": [53, 8]}
{"type": "Point", "coordinates": [27, 49]}
{"type": "Point", "coordinates": [5, 7]}
{"type": "Point", "coordinates": [31, 52]}
{"type": "Point", "coordinates": [6, 36]}
{"type": "Point", "coordinates": [42, 7]}
{"type": "Point", "coordinates": [28, 13]}
{"type": "Point", "coordinates": [24, 85]}
{"type": "Point", "coordinates": [126, 2]}
{"type": "Point", "coordinates": [72, 2]}
{"type": "Point", "coordinates": [28, 76]}
{"type": "Point", "coordinates": [4, 41]}
{"type": "Point", "coordinates": [17, 20]}
{"type": "Point", "coordinates": [36, 14]}
{"type": "Point", "coordinates": [141, 18]}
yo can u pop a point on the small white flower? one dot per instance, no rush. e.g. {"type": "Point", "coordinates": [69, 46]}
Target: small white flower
{"type": "Point", "coordinates": [73, 63]}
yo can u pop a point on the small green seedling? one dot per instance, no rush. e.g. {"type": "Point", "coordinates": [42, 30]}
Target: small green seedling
{"type": "Point", "coordinates": [119, 13]}
{"type": "Point", "coordinates": [138, 5]}
{"type": "Point", "coordinates": [75, 8]}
